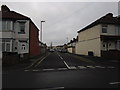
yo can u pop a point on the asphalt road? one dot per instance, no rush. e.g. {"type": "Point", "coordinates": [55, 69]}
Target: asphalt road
{"type": "Point", "coordinates": [62, 70]}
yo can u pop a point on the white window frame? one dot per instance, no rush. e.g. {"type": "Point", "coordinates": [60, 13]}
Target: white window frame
{"type": "Point", "coordinates": [7, 26]}
{"type": "Point", "coordinates": [10, 43]}
{"type": "Point", "coordinates": [118, 30]}
{"type": "Point", "coordinates": [22, 32]}
{"type": "Point", "coordinates": [118, 44]}
{"type": "Point", "coordinates": [104, 26]}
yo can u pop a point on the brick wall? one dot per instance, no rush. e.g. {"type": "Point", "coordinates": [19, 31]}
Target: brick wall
{"type": "Point", "coordinates": [34, 41]}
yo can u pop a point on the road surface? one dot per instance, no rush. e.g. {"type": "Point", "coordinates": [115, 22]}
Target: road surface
{"type": "Point", "coordinates": [62, 70]}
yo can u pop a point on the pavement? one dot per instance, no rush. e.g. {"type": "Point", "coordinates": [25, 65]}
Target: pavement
{"type": "Point", "coordinates": [63, 70]}
{"type": "Point", "coordinates": [22, 65]}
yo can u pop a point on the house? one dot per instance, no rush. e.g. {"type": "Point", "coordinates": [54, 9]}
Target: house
{"type": "Point", "coordinates": [19, 36]}
{"type": "Point", "coordinates": [101, 38]}
{"type": "Point", "coordinates": [43, 47]}
{"type": "Point", "coordinates": [71, 45]}
{"type": "Point", "coordinates": [61, 48]}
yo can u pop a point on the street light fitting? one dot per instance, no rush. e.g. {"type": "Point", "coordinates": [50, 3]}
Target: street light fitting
{"type": "Point", "coordinates": [42, 21]}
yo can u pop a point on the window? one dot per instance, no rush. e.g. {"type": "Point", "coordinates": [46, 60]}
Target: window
{"type": "Point", "coordinates": [104, 28]}
{"type": "Point", "coordinates": [118, 44]}
{"type": "Point", "coordinates": [109, 44]}
{"type": "Point", "coordinates": [103, 45]}
{"type": "Point", "coordinates": [22, 27]}
{"type": "Point", "coordinates": [23, 47]}
{"type": "Point", "coordinates": [118, 30]}
{"type": "Point", "coordinates": [6, 45]}
{"type": "Point", "coordinates": [7, 25]}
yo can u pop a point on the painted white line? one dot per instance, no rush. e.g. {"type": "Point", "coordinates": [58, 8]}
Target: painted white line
{"type": "Point", "coordinates": [111, 67]}
{"type": "Point", "coordinates": [61, 57]}
{"type": "Point", "coordinates": [114, 83]}
{"type": "Point", "coordinates": [73, 67]}
{"type": "Point", "coordinates": [66, 65]}
{"type": "Point", "coordinates": [99, 67]}
{"type": "Point", "coordinates": [48, 69]}
{"type": "Point", "coordinates": [41, 61]}
{"type": "Point", "coordinates": [62, 69]}
{"type": "Point", "coordinates": [35, 70]}
{"type": "Point", "coordinates": [91, 67]}
{"type": "Point", "coordinates": [82, 67]}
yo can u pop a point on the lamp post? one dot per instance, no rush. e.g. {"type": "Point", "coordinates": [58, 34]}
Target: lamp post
{"type": "Point", "coordinates": [41, 30]}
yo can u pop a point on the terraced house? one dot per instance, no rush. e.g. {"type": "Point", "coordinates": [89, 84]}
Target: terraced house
{"type": "Point", "coordinates": [101, 38]}
{"type": "Point", "coordinates": [19, 36]}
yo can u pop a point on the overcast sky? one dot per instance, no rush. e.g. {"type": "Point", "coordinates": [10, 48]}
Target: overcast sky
{"type": "Point", "coordinates": [62, 19]}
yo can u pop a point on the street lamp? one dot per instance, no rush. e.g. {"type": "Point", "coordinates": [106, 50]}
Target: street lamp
{"type": "Point", "coordinates": [41, 30]}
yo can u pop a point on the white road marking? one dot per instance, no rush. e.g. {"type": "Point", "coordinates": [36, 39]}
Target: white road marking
{"type": "Point", "coordinates": [48, 69]}
{"type": "Point", "coordinates": [91, 67]}
{"type": "Point", "coordinates": [82, 67]}
{"type": "Point", "coordinates": [62, 69]}
{"type": "Point", "coordinates": [73, 67]}
{"type": "Point", "coordinates": [61, 57]}
{"type": "Point", "coordinates": [99, 67]}
{"type": "Point", "coordinates": [64, 61]}
{"type": "Point", "coordinates": [114, 83]}
{"type": "Point", "coordinates": [35, 70]}
{"type": "Point", "coordinates": [110, 67]}
{"type": "Point", "coordinates": [66, 65]}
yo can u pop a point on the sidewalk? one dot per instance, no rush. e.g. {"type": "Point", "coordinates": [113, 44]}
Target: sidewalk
{"type": "Point", "coordinates": [22, 65]}
{"type": "Point", "coordinates": [97, 60]}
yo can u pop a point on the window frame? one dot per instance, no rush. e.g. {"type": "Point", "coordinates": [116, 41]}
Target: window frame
{"type": "Point", "coordinates": [104, 28]}
{"type": "Point", "coordinates": [8, 25]}
{"type": "Point", "coordinates": [21, 27]}
{"type": "Point", "coordinates": [4, 44]}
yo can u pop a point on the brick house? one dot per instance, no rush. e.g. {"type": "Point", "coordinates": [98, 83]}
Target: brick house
{"type": "Point", "coordinates": [101, 38]}
{"type": "Point", "coordinates": [19, 36]}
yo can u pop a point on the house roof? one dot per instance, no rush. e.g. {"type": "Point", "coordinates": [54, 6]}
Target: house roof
{"type": "Point", "coordinates": [107, 19]}
{"type": "Point", "coordinates": [12, 15]}
{"type": "Point", "coordinates": [7, 14]}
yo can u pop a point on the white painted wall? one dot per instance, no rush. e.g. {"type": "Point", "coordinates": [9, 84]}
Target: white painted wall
{"type": "Point", "coordinates": [69, 50]}
{"type": "Point", "coordinates": [86, 46]}
{"type": "Point", "coordinates": [89, 40]}
{"type": "Point", "coordinates": [13, 34]}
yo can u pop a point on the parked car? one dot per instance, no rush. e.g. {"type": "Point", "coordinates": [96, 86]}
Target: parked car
{"type": "Point", "coordinates": [51, 50]}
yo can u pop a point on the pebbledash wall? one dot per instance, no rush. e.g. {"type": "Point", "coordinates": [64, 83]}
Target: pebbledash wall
{"type": "Point", "coordinates": [19, 37]}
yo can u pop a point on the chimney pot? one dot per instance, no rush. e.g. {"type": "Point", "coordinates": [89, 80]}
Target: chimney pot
{"type": "Point", "coordinates": [4, 8]}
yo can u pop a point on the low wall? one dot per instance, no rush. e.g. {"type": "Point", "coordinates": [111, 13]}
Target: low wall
{"type": "Point", "coordinates": [13, 58]}
{"type": "Point", "coordinates": [111, 54]}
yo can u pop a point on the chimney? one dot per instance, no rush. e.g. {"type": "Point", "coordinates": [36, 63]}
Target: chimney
{"type": "Point", "coordinates": [109, 15]}
{"type": "Point", "coordinates": [4, 8]}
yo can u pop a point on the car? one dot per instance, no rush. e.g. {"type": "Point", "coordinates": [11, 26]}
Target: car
{"type": "Point", "coordinates": [51, 50]}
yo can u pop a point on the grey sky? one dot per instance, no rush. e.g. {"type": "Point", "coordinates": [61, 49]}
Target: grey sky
{"type": "Point", "coordinates": [63, 19]}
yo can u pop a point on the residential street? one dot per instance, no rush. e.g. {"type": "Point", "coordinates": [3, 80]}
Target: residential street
{"type": "Point", "coordinates": [63, 70]}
